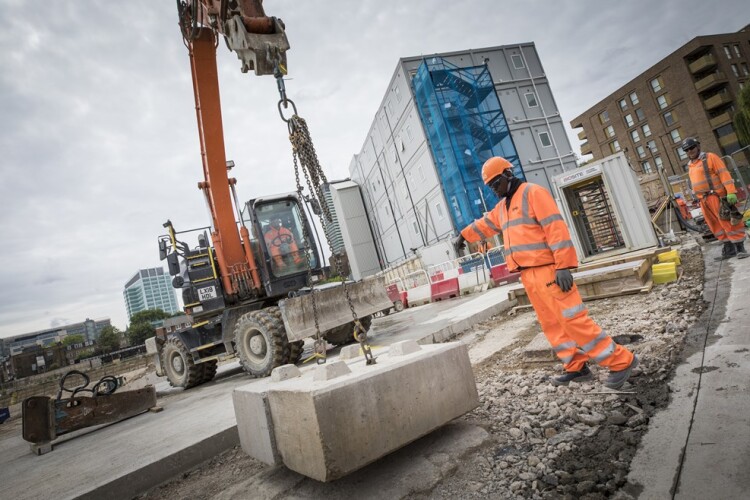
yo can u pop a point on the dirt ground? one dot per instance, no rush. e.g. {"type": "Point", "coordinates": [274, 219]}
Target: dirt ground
{"type": "Point", "coordinates": [546, 441]}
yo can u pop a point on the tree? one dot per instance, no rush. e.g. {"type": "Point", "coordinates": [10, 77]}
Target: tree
{"type": "Point", "coordinates": [141, 325]}
{"type": "Point", "coordinates": [109, 339]}
{"type": "Point", "coordinates": [73, 339]}
{"type": "Point", "coordinates": [742, 116]}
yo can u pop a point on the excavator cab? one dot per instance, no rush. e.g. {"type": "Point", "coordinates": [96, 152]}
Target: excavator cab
{"type": "Point", "coordinates": [283, 239]}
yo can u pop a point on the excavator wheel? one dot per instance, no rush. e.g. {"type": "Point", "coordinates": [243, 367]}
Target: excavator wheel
{"type": "Point", "coordinates": [342, 335]}
{"type": "Point", "coordinates": [179, 366]}
{"type": "Point", "coordinates": [261, 342]}
{"type": "Point", "coordinates": [209, 370]}
{"type": "Point", "coordinates": [295, 351]}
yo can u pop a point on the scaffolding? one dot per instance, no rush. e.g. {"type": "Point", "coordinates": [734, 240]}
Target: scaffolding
{"type": "Point", "coordinates": [465, 126]}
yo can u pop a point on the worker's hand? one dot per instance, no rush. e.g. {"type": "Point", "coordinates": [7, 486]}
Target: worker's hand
{"type": "Point", "coordinates": [731, 198]}
{"type": "Point", "coordinates": [564, 279]}
{"type": "Point", "coordinates": [458, 243]}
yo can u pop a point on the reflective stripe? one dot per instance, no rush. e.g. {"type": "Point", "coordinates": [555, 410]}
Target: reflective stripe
{"type": "Point", "coordinates": [606, 352]}
{"type": "Point", "coordinates": [563, 346]}
{"type": "Point", "coordinates": [588, 347]}
{"type": "Point", "coordinates": [566, 359]}
{"type": "Point", "coordinates": [477, 230]}
{"type": "Point", "coordinates": [720, 232]}
{"type": "Point", "coordinates": [562, 244]}
{"type": "Point", "coordinates": [549, 220]}
{"type": "Point", "coordinates": [520, 222]}
{"type": "Point", "coordinates": [572, 311]}
{"type": "Point", "coordinates": [530, 246]}
{"type": "Point", "coordinates": [525, 203]}
{"type": "Point", "coordinates": [491, 224]}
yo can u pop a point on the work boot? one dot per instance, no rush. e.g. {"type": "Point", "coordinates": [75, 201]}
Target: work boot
{"type": "Point", "coordinates": [740, 249]}
{"type": "Point", "coordinates": [727, 252]}
{"type": "Point", "coordinates": [618, 379]}
{"type": "Point", "coordinates": [582, 375]}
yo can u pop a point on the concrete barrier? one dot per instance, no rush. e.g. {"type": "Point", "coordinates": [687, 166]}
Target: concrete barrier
{"type": "Point", "coordinates": [326, 427]}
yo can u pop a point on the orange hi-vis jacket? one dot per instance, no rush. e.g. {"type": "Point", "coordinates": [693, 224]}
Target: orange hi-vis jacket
{"type": "Point", "coordinates": [721, 179]}
{"type": "Point", "coordinates": [534, 232]}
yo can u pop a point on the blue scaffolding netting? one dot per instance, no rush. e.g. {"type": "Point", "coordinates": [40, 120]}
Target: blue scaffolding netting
{"type": "Point", "coordinates": [465, 126]}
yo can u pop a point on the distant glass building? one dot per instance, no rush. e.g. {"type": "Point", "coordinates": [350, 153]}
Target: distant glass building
{"type": "Point", "coordinates": [150, 289]}
{"type": "Point", "coordinates": [89, 329]}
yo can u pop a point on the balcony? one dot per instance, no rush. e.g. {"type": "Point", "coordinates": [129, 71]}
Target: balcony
{"type": "Point", "coordinates": [710, 81]}
{"type": "Point", "coordinates": [722, 119]}
{"type": "Point", "coordinates": [582, 135]}
{"type": "Point", "coordinates": [702, 64]}
{"type": "Point", "coordinates": [586, 148]}
{"type": "Point", "coordinates": [728, 140]}
{"type": "Point", "coordinates": [716, 101]}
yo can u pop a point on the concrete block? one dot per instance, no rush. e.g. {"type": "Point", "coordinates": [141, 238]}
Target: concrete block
{"type": "Point", "coordinates": [285, 372]}
{"type": "Point", "coordinates": [326, 429]}
{"type": "Point", "coordinates": [330, 371]}
{"type": "Point", "coordinates": [403, 348]}
{"type": "Point", "coordinates": [254, 423]}
{"type": "Point", "coordinates": [350, 352]}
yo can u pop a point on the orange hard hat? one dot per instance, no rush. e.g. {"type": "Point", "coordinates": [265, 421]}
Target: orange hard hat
{"type": "Point", "coordinates": [494, 167]}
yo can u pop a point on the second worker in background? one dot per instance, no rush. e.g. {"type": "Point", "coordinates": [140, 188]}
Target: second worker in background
{"type": "Point", "coordinates": [537, 243]}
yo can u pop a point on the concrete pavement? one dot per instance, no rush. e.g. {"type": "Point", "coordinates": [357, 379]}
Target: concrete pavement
{"type": "Point", "coordinates": [129, 457]}
{"type": "Point", "coordinates": [699, 447]}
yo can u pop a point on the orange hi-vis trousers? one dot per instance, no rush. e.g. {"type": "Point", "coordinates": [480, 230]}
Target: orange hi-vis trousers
{"type": "Point", "coordinates": [574, 336]}
{"type": "Point", "coordinates": [722, 229]}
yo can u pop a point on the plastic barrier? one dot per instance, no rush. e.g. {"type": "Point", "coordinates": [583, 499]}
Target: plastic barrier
{"type": "Point", "coordinates": [499, 268]}
{"type": "Point", "coordinates": [418, 288]}
{"type": "Point", "coordinates": [397, 293]}
{"type": "Point", "coordinates": [473, 272]}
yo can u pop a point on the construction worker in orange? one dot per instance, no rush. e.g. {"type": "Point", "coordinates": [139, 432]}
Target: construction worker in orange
{"type": "Point", "coordinates": [537, 243]}
{"type": "Point", "coordinates": [281, 244]}
{"type": "Point", "coordinates": [713, 185]}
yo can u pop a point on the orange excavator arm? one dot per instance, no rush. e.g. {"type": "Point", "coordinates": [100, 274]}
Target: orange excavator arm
{"type": "Point", "coordinates": [261, 44]}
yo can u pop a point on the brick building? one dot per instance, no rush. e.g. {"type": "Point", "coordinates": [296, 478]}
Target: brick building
{"type": "Point", "coordinates": [691, 92]}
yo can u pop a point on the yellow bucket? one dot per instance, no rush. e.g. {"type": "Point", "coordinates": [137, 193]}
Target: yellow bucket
{"type": "Point", "coordinates": [671, 256]}
{"type": "Point", "coordinates": [664, 273]}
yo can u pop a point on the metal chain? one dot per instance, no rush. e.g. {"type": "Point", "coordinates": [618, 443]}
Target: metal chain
{"type": "Point", "coordinates": [306, 158]}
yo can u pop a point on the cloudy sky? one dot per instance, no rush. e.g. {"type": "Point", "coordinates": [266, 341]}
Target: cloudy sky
{"type": "Point", "coordinates": [98, 140]}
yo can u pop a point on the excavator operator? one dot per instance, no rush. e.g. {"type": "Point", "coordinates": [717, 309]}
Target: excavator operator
{"type": "Point", "coordinates": [281, 244]}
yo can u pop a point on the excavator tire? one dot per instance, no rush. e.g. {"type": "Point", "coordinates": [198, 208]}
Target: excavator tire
{"type": "Point", "coordinates": [209, 370]}
{"type": "Point", "coordinates": [295, 351]}
{"type": "Point", "coordinates": [179, 366]}
{"type": "Point", "coordinates": [261, 342]}
{"type": "Point", "coordinates": [342, 335]}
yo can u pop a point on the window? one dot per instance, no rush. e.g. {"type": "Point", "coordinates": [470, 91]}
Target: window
{"type": "Point", "coordinates": [531, 99]}
{"type": "Point", "coordinates": [658, 162]}
{"type": "Point", "coordinates": [641, 151]}
{"type": "Point", "coordinates": [634, 135]}
{"type": "Point", "coordinates": [623, 104]}
{"type": "Point", "coordinates": [683, 155]}
{"type": "Point", "coordinates": [629, 120]}
{"type": "Point", "coordinates": [609, 131]}
{"type": "Point", "coordinates": [614, 146]}
{"type": "Point", "coordinates": [398, 93]}
{"type": "Point", "coordinates": [634, 98]}
{"type": "Point", "coordinates": [439, 210]}
{"type": "Point", "coordinates": [408, 132]}
{"type": "Point", "coordinates": [656, 84]}
{"type": "Point", "coordinates": [646, 130]}
{"type": "Point", "coordinates": [744, 69]}
{"type": "Point", "coordinates": [517, 61]}
{"type": "Point", "coordinates": [544, 139]}
{"type": "Point", "coordinates": [646, 166]}
{"type": "Point", "coordinates": [640, 115]}
{"type": "Point", "coordinates": [663, 101]}
{"type": "Point", "coordinates": [727, 52]}
{"type": "Point", "coordinates": [390, 107]}
{"type": "Point", "coordinates": [604, 116]}
{"type": "Point", "coordinates": [421, 172]}
{"type": "Point", "coordinates": [675, 134]}
{"type": "Point", "coordinates": [737, 51]}
{"type": "Point", "coordinates": [670, 118]}
{"type": "Point", "coordinates": [735, 70]}
{"type": "Point", "coordinates": [651, 145]}
{"type": "Point", "coordinates": [414, 225]}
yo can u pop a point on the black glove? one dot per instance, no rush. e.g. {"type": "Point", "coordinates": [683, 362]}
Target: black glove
{"type": "Point", "coordinates": [458, 243]}
{"type": "Point", "coordinates": [564, 279]}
